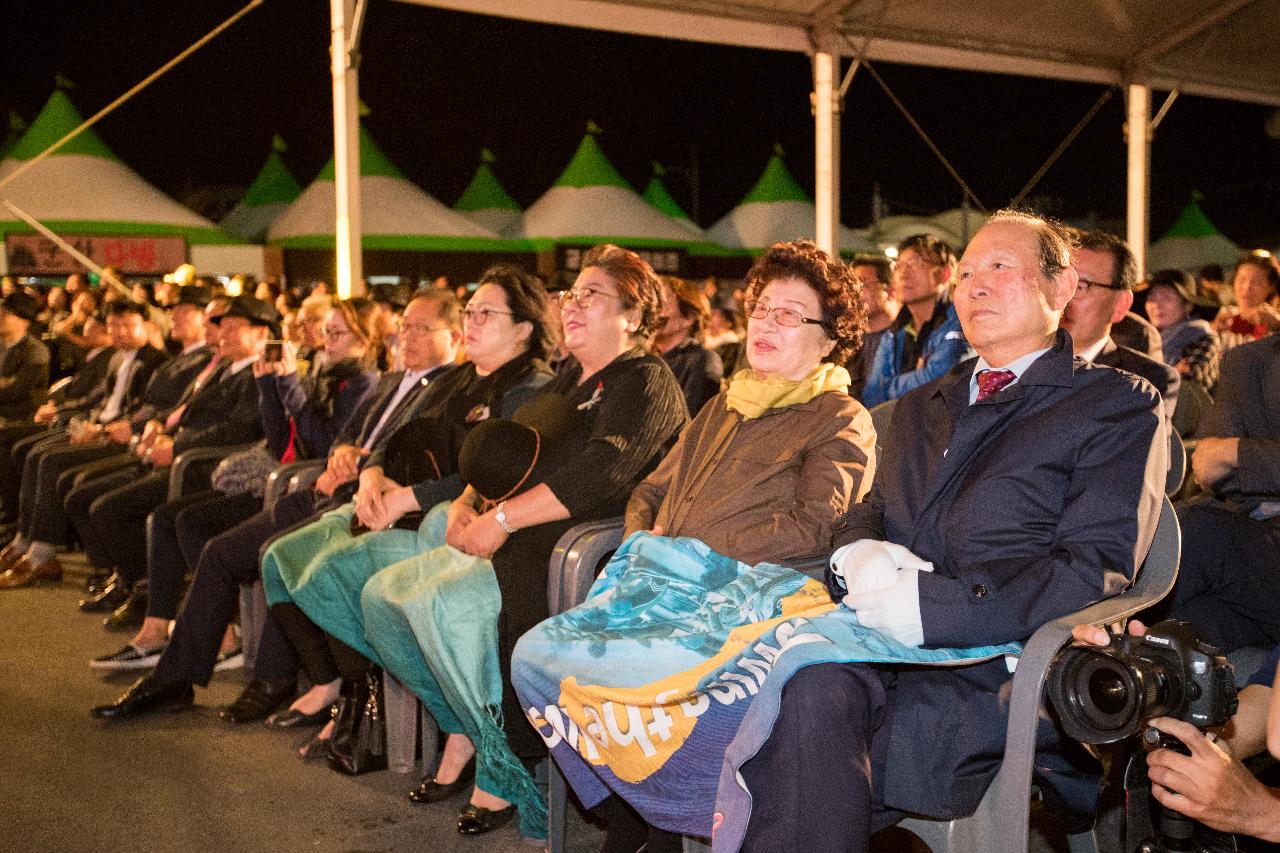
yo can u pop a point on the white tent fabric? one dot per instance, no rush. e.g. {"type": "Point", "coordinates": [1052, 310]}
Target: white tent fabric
{"type": "Point", "coordinates": [759, 224]}
{"type": "Point", "coordinates": [251, 222]}
{"type": "Point", "coordinates": [598, 211]}
{"type": "Point", "coordinates": [1191, 253]}
{"type": "Point", "coordinates": [389, 207]}
{"type": "Point", "coordinates": [892, 230]}
{"type": "Point", "coordinates": [501, 221]}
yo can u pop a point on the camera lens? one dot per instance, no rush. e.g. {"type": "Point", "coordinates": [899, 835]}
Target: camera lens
{"type": "Point", "coordinates": [1107, 692]}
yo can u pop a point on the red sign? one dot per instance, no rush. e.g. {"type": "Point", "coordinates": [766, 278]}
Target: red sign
{"type": "Point", "coordinates": [33, 254]}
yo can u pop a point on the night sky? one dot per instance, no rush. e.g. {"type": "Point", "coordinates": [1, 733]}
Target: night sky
{"type": "Point", "coordinates": [442, 85]}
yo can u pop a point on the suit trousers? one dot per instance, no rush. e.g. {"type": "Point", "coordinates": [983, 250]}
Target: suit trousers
{"type": "Point", "coordinates": [11, 469]}
{"type": "Point", "coordinates": [227, 562]}
{"type": "Point", "coordinates": [170, 555]}
{"type": "Point", "coordinates": [119, 519]}
{"type": "Point", "coordinates": [40, 513]}
{"type": "Point", "coordinates": [80, 500]}
{"type": "Point", "coordinates": [814, 784]}
{"type": "Point", "coordinates": [1228, 578]}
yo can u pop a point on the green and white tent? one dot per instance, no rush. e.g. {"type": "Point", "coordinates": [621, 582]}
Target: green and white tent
{"type": "Point", "coordinates": [591, 203]}
{"type": "Point", "coordinates": [271, 192]}
{"type": "Point", "coordinates": [1191, 243]}
{"type": "Point", "coordinates": [892, 230]}
{"type": "Point", "coordinates": [777, 209]}
{"type": "Point", "coordinates": [487, 203]}
{"type": "Point", "coordinates": [394, 213]}
{"type": "Point", "coordinates": [84, 188]}
{"type": "Point", "coordinates": [655, 192]}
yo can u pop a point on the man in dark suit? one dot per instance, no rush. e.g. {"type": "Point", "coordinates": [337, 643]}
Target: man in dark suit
{"type": "Point", "coordinates": [1021, 486]}
{"type": "Point", "coordinates": [24, 368]}
{"type": "Point", "coordinates": [29, 557]}
{"type": "Point", "coordinates": [430, 341]}
{"type": "Point", "coordinates": [1229, 575]}
{"type": "Point", "coordinates": [223, 411]}
{"type": "Point", "coordinates": [1103, 297]}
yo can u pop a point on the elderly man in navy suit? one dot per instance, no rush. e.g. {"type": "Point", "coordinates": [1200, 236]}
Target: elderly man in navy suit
{"type": "Point", "coordinates": [1019, 487]}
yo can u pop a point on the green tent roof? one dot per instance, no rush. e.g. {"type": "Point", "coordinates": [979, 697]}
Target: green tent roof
{"type": "Point", "coordinates": [1192, 223]}
{"type": "Point", "coordinates": [776, 184]}
{"type": "Point", "coordinates": [372, 161]}
{"type": "Point", "coordinates": [590, 168]}
{"type": "Point", "coordinates": [485, 192]}
{"type": "Point", "coordinates": [275, 184]}
{"type": "Point", "coordinates": [58, 118]}
{"type": "Point", "coordinates": [655, 192]}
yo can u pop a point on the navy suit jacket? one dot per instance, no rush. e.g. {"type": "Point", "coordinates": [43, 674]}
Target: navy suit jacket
{"type": "Point", "coordinates": [1247, 407]}
{"type": "Point", "coordinates": [1032, 504]}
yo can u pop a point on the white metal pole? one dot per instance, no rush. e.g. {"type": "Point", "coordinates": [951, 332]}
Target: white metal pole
{"type": "Point", "coordinates": [1138, 129]}
{"type": "Point", "coordinates": [826, 125]}
{"type": "Point", "coordinates": [346, 150]}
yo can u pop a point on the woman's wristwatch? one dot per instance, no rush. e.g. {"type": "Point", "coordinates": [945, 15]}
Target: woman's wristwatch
{"type": "Point", "coordinates": [501, 517]}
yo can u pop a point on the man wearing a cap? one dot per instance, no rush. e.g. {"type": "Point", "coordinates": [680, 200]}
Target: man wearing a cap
{"type": "Point", "coordinates": [224, 411]}
{"type": "Point", "coordinates": [1108, 274]}
{"type": "Point", "coordinates": [24, 361]}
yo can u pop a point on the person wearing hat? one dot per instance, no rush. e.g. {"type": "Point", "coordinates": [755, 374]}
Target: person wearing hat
{"type": "Point", "coordinates": [24, 361]}
{"type": "Point", "coordinates": [1103, 297]}
{"type": "Point", "coordinates": [1190, 345]}
{"type": "Point", "coordinates": [224, 411]}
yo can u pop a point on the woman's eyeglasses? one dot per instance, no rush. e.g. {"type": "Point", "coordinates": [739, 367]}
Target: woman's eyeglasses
{"type": "Point", "coordinates": [480, 316]}
{"type": "Point", "coordinates": [757, 310]}
{"type": "Point", "coordinates": [582, 297]}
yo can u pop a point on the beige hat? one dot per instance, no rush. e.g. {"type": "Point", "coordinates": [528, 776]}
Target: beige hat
{"type": "Point", "coordinates": [183, 275]}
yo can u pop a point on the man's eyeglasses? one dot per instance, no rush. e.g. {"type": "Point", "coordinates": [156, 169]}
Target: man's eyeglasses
{"type": "Point", "coordinates": [757, 310]}
{"type": "Point", "coordinates": [421, 328]}
{"type": "Point", "coordinates": [334, 334]}
{"type": "Point", "coordinates": [1083, 287]}
{"type": "Point", "coordinates": [480, 316]}
{"type": "Point", "coordinates": [582, 297]}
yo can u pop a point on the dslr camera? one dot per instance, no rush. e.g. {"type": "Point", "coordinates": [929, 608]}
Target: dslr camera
{"type": "Point", "coordinates": [1107, 694]}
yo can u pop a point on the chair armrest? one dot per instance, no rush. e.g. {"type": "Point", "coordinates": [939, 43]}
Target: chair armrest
{"type": "Point", "coordinates": [306, 476]}
{"type": "Point", "coordinates": [280, 482]}
{"type": "Point", "coordinates": [576, 559]}
{"type": "Point", "coordinates": [191, 461]}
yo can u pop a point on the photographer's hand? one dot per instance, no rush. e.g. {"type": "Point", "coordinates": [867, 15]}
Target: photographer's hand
{"type": "Point", "coordinates": [1210, 786]}
{"type": "Point", "coordinates": [1092, 635]}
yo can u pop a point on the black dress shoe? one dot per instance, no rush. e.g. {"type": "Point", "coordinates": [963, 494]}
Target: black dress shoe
{"type": "Point", "coordinates": [112, 596]}
{"type": "Point", "coordinates": [292, 719]}
{"type": "Point", "coordinates": [477, 820]}
{"type": "Point", "coordinates": [258, 700]}
{"type": "Point", "coordinates": [98, 581]}
{"type": "Point", "coordinates": [147, 696]}
{"type": "Point", "coordinates": [431, 791]}
{"type": "Point", "coordinates": [129, 615]}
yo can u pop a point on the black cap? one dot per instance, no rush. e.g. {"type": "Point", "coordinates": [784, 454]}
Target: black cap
{"type": "Point", "coordinates": [500, 457]}
{"type": "Point", "coordinates": [1179, 282]}
{"type": "Point", "coordinates": [256, 311]}
{"type": "Point", "coordinates": [194, 294]}
{"type": "Point", "coordinates": [21, 305]}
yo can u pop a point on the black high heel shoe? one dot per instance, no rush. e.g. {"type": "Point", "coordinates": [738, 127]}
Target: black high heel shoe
{"type": "Point", "coordinates": [477, 820]}
{"type": "Point", "coordinates": [431, 791]}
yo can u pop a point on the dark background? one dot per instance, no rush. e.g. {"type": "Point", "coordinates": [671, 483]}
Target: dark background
{"type": "Point", "coordinates": [442, 85]}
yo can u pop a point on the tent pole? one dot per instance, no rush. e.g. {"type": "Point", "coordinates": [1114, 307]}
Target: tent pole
{"type": "Point", "coordinates": [826, 122]}
{"type": "Point", "coordinates": [1138, 130]}
{"type": "Point", "coordinates": [346, 147]}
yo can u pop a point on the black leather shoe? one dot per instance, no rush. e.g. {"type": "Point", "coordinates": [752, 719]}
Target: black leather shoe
{"type": "Point", "coordinates": [147, 696]}
{"type": "Point", "coordinates": [477, 820]}
{"type": "Point", "coordinates": [98, 581]}
{"type": "Point", "coordinates": [431, 791]}
{"type": "Point", "coordinates": [129, 615]}
{"type": "Point", "coordinates": [258, 700]}
{"type": "Point", "coordinates": [292, 719]}
{"type": "Point", "coordinates": [108, 599]}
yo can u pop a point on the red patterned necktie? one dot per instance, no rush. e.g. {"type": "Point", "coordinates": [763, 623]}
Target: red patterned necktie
{"type": "Point", "coordinates": [991, 381]}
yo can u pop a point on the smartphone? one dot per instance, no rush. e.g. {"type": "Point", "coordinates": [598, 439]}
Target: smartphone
{"type": "Point", "coordinates": [273, 351]}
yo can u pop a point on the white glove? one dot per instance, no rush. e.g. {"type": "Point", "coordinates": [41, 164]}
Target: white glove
{"type": "Point", "coordinates": [870, 564]}
{"type": "Point", "coordinates": [893, 610]}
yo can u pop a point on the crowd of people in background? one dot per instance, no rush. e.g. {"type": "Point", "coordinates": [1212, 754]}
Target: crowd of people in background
{"type": "Point", "coordinates": [1032, 388]}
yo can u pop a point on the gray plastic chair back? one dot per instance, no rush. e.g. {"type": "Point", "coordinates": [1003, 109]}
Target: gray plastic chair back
{"type": "Point", "coordinates": [1177, 464]}
{"type": "Point", "coordinates": [1193, 402]}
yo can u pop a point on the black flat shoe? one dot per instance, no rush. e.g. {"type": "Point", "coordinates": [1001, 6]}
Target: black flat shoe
{"type": "Point", "coordinates": [477, 820]}
{"type": "Point", "coordinates": [147, 696]}
{"type": "Point", "coordinates": [292, 719]}
{"type": "Point", "coordinates": [431, 791]}
{"type": "Point", "coordinates": [129, 615]}
{"type": "Point", "coordinates": [108, 599]}
{"type": "Point", "coordinates": [258, 700]}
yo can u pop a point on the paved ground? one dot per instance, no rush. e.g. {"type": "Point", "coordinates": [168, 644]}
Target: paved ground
{"type": "Point", "coordinates": [180, 782]}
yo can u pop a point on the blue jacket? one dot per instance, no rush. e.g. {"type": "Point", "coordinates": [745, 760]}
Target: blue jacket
{"type": "Point", "coordinates": [943, 349]}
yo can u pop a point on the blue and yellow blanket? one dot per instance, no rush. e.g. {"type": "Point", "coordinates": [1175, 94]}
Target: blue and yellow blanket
{"type": "Point", "coordinates": [644, 689]}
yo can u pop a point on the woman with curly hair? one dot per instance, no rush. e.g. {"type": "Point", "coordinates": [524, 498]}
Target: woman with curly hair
{"type": "Point", "coordinates": [763, 473]}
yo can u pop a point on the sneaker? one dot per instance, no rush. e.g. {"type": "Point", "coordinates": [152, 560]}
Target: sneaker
{"type": "Point", "coordinates": [130, 657]}
{"type": "Point", "coordinates": [229, 659]}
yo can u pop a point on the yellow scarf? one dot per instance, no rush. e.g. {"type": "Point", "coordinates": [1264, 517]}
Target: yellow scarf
{"type": "Point", "coordinates": [752, 397]}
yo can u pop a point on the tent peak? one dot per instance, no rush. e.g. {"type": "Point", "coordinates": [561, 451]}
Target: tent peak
{"type": "Point", "coordinates": [485, 192]}
{"type": "Point", "coordinates": [589, 167]}
{"type": "Point", "coordinates": [57, 118]}
{"type": "Point", "coordinates": [776, 183]}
